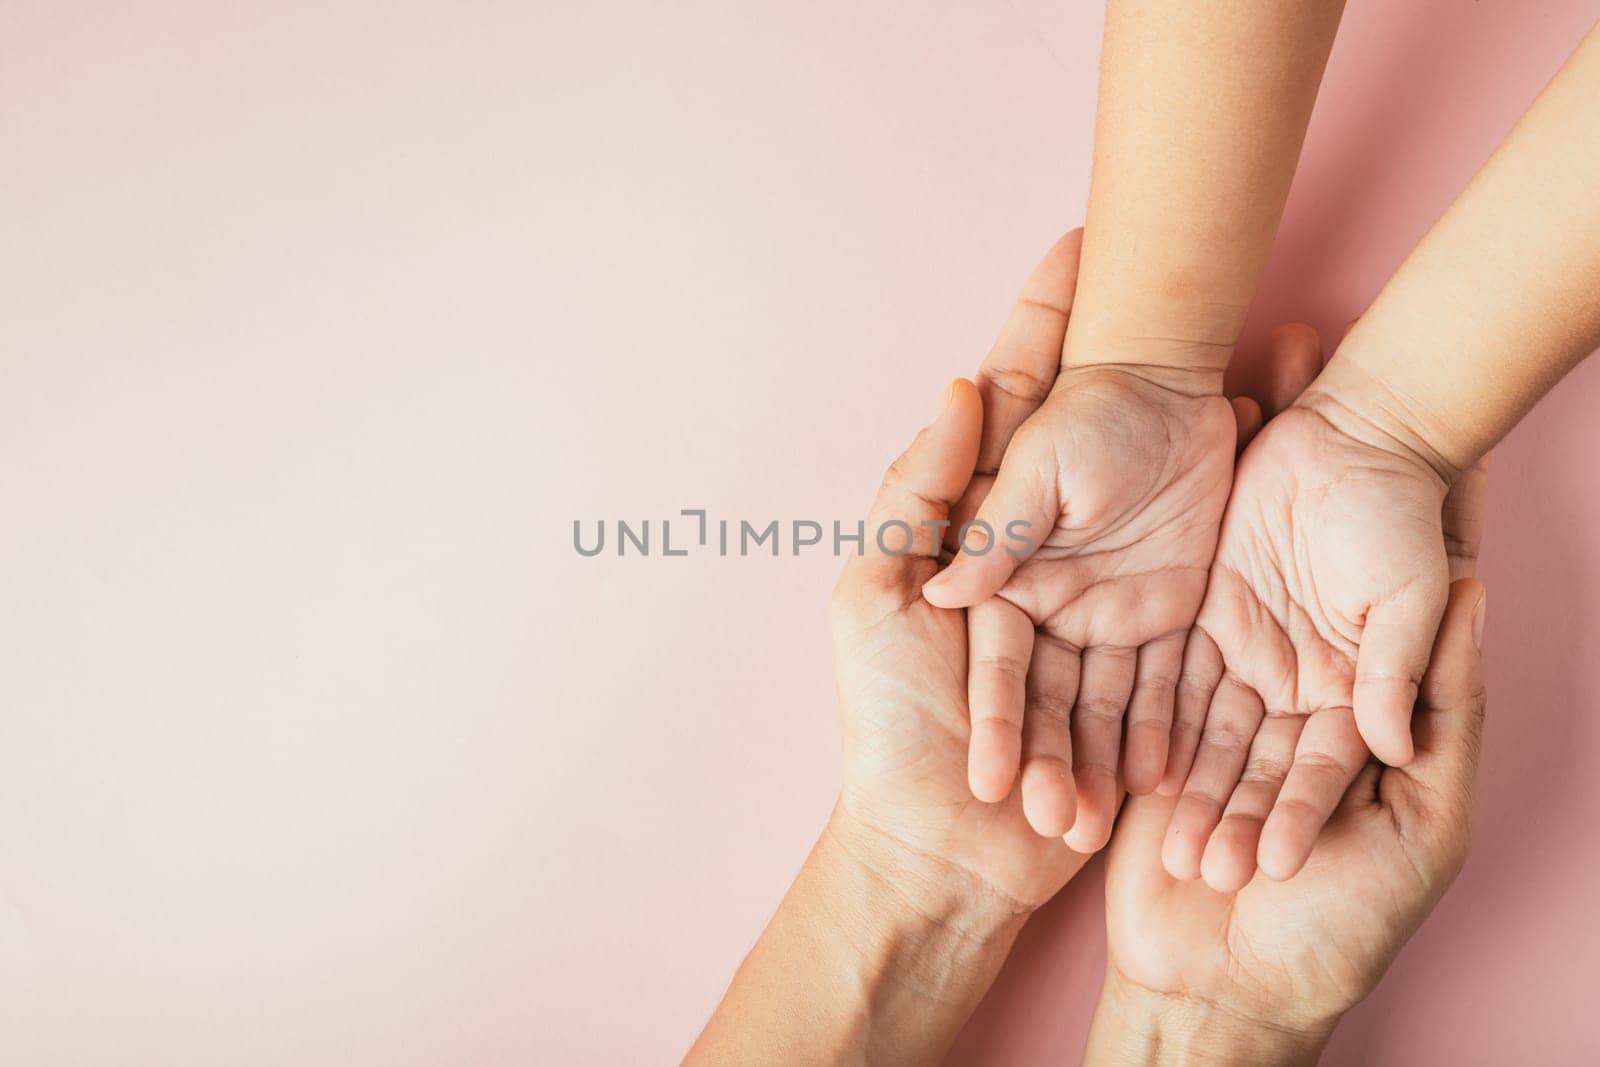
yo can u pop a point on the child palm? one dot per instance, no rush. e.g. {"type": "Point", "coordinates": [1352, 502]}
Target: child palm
{"type": "Point", "coordinates": [1329, 583]}
{"type": "Point", "coordinates": [1121, 475]}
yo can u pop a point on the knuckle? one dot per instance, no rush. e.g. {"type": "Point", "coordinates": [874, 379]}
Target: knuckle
{"type": "Point", "coordinates": [1009, 667]}
{"type": "Point", "coordinates": [1017, 383]}
{"type": "Point", "coordinates": [1054, 709]}
{"type": "Point", "coordinates": [1099, 711]}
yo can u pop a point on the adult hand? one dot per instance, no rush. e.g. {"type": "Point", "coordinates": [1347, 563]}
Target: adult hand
{"type": "Point", "coordinates": [902, 663]}
{"type": "Point", "coordinates": [1269, 970]}
{"type": "Point", "coordinates": [906, 908]}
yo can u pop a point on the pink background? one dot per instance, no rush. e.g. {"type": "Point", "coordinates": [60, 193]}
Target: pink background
{"type": "Point", "coordinates": [319, 744]}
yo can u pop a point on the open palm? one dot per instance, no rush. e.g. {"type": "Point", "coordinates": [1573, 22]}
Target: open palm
{"type": "Point", "coordinates": [1330, 579]}
{"type": "Point", "coordinates": [1121, 476]}
{"type": "Point", "coordinates": [1294, 956]}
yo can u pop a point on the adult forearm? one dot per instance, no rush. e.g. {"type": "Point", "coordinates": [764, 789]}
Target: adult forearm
{"type": "Point", "coordinates": [1135, 1027]}
{"type": "Point", "coordinates": [860, 964]}
{"type": "Point", "coordinates": [1202, 113]}
{"type": "Point", "coordinates": [1503, 295]}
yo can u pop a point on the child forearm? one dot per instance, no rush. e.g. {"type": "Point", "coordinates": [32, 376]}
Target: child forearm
{"type": "Point", "coordinates": [1500, 299]}
{"type": "Point", "coordinates": [1201, 115]}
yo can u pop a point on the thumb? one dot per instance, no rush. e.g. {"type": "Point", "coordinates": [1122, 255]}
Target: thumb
{"type": "Point", "coordinates": [1014, 519]}
{"type": "Point", "coordinates": [1449, 719]}
{"type": "Point", "coordinates": [1395, 641]}
{"type": "Point", "coordinates": [916, 496]}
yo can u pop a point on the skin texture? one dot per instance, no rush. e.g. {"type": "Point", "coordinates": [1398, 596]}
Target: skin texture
{"type": "Point", "coordinates": [1331, 572]}
{"type": "Point", "coordinates": [1123, 469]}
{"type": "Point", "coordinates": [1264, 974]}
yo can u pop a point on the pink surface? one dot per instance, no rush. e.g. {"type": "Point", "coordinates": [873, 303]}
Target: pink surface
{"type": "Point", "coordinates": [320, 744]}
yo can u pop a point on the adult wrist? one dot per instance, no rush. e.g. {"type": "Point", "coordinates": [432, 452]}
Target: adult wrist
{"type": "Point", "coordinates": [1133, 1025]}
{"type": "Point", "coordinates": [855, 967]}
{"type": "Point", "coordinates": [1364, 404]}
{"type": "Point", "coordinates": [918, 945]}
{"type": "Point", "coordinates": [929, 903]}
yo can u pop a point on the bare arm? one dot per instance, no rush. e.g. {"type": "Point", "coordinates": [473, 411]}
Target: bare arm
{"type": "Point", "coordinates": [1203, 109]}
{"type": "Point", "coordinates": [852, 970]}
{"type": "Point", "coordinates": [1500, 299]}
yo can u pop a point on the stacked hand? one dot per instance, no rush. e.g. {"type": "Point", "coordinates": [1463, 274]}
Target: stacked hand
{"type": "Point", "coordinates": [1276, 964]}
{"type": "Point", "coordinates": [907, 906]}
{"type": "Point", "coordinates": [1320, 600]}
{"type": "Point", "coordinates": [1330, 578]}
{"type": "Point", "coordinates": [1118, 473]}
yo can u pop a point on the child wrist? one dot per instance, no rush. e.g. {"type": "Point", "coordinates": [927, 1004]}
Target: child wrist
{"type": "Point", "coordinates": [1363, 405]}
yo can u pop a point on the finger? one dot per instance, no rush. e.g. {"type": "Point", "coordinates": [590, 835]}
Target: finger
{"type": "Point", "coordinates": [1450, 711]}
{"type": "Point", "coordinates": [1149, 731]}
{"type": "Point", "coordinates": [1247, 420]}
{"type": "Point", "coordinates": [1019, 512]}
{"type": "Point", "coordinates": [1049, 797]}
{"type": "Point", "coordinates": [919, 489]}
{"type": "Point", "coordinates": [1294, 359]}
{"type": "Point", "coordinates": [1103, 693]}
{"type": "Point", "coordinates": [1229, 861]}
{"type": "Point", "coordinates": [1020, 369]}
{"type": "Point", "coordinates": [1202, 670]}
{"type": "Point", "coordinates": [1000, 642]}
{"type": "Point", "coordinates": [1462, 519]}
{"type": "Point", "coordinates": [1395, 642]}
{"type": "Point", "coordinates": [1327, 760]}
{"type": "Point", "coordinates": [1230, 728]}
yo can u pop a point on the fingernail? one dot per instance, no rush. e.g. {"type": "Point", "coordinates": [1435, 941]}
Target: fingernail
{"type": "Point", "coordinates": [1477, 620]}
{"type": "Point", "coordinates": [950, 395]}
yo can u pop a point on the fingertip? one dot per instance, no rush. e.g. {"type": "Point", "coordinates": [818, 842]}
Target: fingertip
{"type": "Point", "coordinates": [1390, 740]}
{"type": "Point", "coordinates": [1278, 857]}
{"type": "Point", "coordinates": [988, 784]}
{"type": "Point", "coordinates": [1221, 870]}
{"type": "Point", "coordinates": [938, 590]}
{"type": "Point", "coordinates": [1177, 772]}
{"type": "Point", "coordinates": [1049, 797]}
{"type": "Point", "coordinates": [957, 586]}
{"type": "Point", "coordinates": [962, 394]}
{"type": "Point", "coordinates": [1178, 861]}
{"type": "Point", "coordinates": [1145, 761]}
{"type": "Point", "coordinates": [1179, 854]}
{"type": "Point", "coordinates": [992, 761]}
{"type": "Point", "coordinates": [1088, 834]}
{"type": "Point", "coordinates": [1097, 810]}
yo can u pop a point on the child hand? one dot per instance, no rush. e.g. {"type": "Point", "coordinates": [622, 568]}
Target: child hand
{"type": "Point", "coordinates": [1121, 476]}
{"type": "Point", "coordinates": [1329, 583]}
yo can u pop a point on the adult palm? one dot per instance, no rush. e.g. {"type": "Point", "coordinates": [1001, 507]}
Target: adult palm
{"type": "Point", "coordinates": [1294, 956]}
